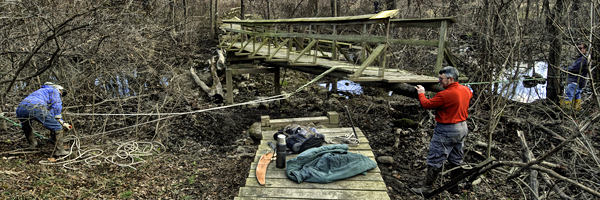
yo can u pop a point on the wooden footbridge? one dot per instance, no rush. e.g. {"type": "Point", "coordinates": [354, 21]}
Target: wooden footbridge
{"type": "Point", "coordinates": [315, 45]}
{"type": "Point", "coordinates": [278, 186]}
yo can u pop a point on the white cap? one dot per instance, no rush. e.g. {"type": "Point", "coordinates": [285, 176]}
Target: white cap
{"type": "Point", "coordinates": [58, 87]}
{"type": "Point", "coordinates": [281, 139]}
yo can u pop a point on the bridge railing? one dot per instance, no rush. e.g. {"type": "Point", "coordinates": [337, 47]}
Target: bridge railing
{"type": "Point", "coordinates": [334, 38]}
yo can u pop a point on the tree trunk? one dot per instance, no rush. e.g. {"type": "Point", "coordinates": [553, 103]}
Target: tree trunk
{"type": "Point", "coordinates": [216, 20]}
{"type": "Point", "coordinates": [334, 8]}
{"type": "Point", "coordinates": [554, 90]}
{"type": "Point", "coordinates": [173, 12]}
{"type": "Point", "coordinates": [314, 6]}
{"type": "Point", "coordinates": [242, 9]}
{"type": "Point", "coordinates": [390, 4]}
{"type": "Point", "coordinates": [268, 9]}
{"type": "Point", "coordinates": [212, 19]}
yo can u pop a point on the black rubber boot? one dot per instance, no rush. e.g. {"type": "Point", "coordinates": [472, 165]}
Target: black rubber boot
{"type": "Point", "coordinates": [453, 174]}
{"type": "Point", "coordinates": [28, 131]}
{"type": "Point", "coordinates": [30, 137]}
{"type": "Point", "coordinates": [58, 136]}
{"type": "Point", "coordinates": [430, 178]}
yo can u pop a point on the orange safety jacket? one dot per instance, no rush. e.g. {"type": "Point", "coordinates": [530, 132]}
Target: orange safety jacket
{"type": "Point", "coordinates": [451, 105]}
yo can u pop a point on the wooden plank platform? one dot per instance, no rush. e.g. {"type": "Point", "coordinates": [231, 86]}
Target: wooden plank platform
{"type": "Point", "coordinates": [278, 186]}
{"type": "Point", "coordinates": [390, 76]}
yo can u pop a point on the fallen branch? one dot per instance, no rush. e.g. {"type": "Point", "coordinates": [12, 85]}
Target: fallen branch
{"type": "Point", "coordinates": [544, 157]}
{"type": "Point", "coordinates": [198, 81]}
{"type": "Point", "coordinates": [556, 135]}
{"type": "Point", "coordinates": [543, 169]}
{"type": "Point", "coordinates": [527, 157]}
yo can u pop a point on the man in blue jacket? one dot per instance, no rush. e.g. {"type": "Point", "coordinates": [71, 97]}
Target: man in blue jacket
{"type": "Point", "coordinates": [45, 106]}
{"type": "Point", "coordinates": [578, 72]}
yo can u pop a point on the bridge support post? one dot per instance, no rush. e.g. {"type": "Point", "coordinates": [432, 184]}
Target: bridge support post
{"type": "Point", "coordinates": [277, 78]}
{"type": "Point", "coordinates": [229, 83]}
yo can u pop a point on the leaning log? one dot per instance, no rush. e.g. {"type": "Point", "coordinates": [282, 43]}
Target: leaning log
{"type": "Point", "coordinates": [221, 60]}
{"type": "Point", "coordinates": [198, 81]}
{"type": "Point", "coordinates": [217, 88]}
{"type": "Point", "coordinates": [216, 91]}
{"type": "Point", "coordinates": [405, 89]}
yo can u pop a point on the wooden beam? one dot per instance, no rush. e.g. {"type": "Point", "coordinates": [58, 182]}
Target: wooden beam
{"type": "Point", "coordinates": [448, 56]}
{"type": "Point", "coordinates": [344, 53]}
{"type": "Point", "coordinates": [233, 42]}
{"type": "Point", "coordinates": [346, 38]}
{"type": "Point", "coordinates": [345, 20]}
{"type": "Point", "coordinates": [369, 60]}
{"type": "Point", "coordinates": [277, 50]}
{"type": "Point", "coordinates": [441, 46]}
{"type": "Point", "coordinates": [422, 23]}
{"type": "Point", "coordinates": [260, 46]}
{"type": "Point", "coordinates": [304, 51]}
{"type": "Point", "coordinates": [244, 46]}
{"type": "Point", "coordinates": [297, 42]}
{"type": "Point", "coordinates": [229, 82]}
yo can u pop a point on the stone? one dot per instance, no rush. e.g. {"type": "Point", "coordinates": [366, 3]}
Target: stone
{"type": "Point", "coordinates": [385, 159]}
{"type": "Point", "coordinates": [255, 131]}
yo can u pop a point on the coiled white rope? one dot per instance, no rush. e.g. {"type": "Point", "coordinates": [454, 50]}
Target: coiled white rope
{"type": "Point", "coordinates": [125, 151]}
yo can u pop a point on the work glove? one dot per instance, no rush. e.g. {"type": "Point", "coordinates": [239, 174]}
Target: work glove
{"type": "Point", "coordinates": [66, 125]}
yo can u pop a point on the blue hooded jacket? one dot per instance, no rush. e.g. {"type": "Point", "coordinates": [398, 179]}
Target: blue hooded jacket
{"type": "Point", "coordinates": [47, 97]}
{"type": "Point", "coordinates": [580, 65]}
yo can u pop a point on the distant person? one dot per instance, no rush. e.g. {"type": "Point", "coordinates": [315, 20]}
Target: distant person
{"type": "Point", "coordinates": [45, 106]}
{"type": "Point", "coordinates": [448, 139]}
{"type": "Point", "coordinates": [575, 80]}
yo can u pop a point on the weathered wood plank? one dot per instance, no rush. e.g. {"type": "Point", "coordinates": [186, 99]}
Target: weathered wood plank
{"type": "Point", "coordinates": [364, 145]}
{"type": "Point", "coordinates": [327, 131]}
{"type": "Point", "coordinates": [369, 60]}
{"type": "Point", "coordinates": [282, 175]}
{"type": "Point", "coordinates": [261, 198]}
{"type": "Point", "coordinates": [272, 167]}
{"type": "Point", "coordinates": [344, 20]}
{"type": "Point", "coordinates": [346, 38]}
{"type": "Point", "coordinates": [345, 185]}
{"type": "Point", "coordinates": [263, 150]}
{"type": "Point", "coordinates": [421, 23]}
{"type": "Point", "coordinates": [311, 193]}
{"type": "Point", "coordinates": [301, 121]}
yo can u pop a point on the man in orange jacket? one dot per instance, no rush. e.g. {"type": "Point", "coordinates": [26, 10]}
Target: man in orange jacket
{"type": "Point", "coordinates": [448, 139]}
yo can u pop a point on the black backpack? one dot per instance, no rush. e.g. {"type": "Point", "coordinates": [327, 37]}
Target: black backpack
{"type": "Point", "coordinates": [300, 138]}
